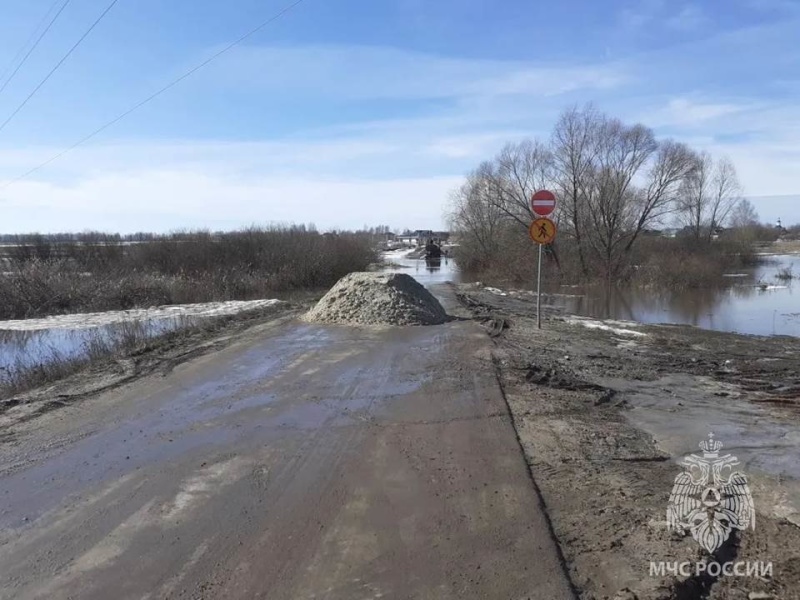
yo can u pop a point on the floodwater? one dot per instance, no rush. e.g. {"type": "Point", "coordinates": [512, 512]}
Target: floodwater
{"type": "Point", "coordinates": [427, 272]}
{"type": "Point", "coordinates": [23, 349]}
{"type": "Point", "coordinates": [754, 301]}
{"type": "Point", "coordinates": [27, 343]}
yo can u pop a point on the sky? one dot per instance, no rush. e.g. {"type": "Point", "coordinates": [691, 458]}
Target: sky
{"type": "Point", "coordinates": [355, 112]}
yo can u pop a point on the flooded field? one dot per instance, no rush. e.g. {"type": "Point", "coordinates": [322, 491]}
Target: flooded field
{"type": "Point", "coordinates": [755, 301]}
{"type": "Point", "coordinates": [29, 342]}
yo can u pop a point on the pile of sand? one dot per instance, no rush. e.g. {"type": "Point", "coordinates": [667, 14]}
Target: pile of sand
{"type": "Point", "coordinates": [378, 299]}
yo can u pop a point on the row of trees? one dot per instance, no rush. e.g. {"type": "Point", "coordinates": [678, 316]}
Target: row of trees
{"type": "Point", "coordinates": [615, 182]}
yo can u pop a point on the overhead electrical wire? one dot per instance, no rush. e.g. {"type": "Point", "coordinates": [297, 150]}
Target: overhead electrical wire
{"type": "Point", "coordinates": [58, 64]}
{"type": "Point", "coordinates": [27, 43]}
{"type": "Point", "coordinates": [157, 93]}
{"type": "Point", "coordinates": [35, 44]}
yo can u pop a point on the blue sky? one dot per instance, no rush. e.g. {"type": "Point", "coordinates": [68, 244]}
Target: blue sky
{"type": "Point", "coordinates": [353, 112]}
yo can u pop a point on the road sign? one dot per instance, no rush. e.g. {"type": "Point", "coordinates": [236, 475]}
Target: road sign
{"type": "Point", "coordinates": [542, 231]}
{"type": "Point", "coordinates": [543, 202]}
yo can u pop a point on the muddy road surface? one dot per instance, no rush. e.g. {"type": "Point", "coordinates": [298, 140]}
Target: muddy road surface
{"type": "Point", "coordinates": [301, 461]}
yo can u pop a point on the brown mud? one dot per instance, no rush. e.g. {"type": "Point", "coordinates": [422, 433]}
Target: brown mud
{"type": "Point", "coordinates": [604, 410]}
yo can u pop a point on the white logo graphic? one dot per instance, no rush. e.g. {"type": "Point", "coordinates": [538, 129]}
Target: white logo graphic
{"type": "Point", "coordinates": [709, 498]}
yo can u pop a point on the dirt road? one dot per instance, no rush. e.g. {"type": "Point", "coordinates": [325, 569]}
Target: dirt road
{"type": "Point", "coordinates": [303, 461]}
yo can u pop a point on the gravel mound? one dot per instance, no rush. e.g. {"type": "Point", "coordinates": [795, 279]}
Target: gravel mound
{"type": "Point", "coordinates": [378, 299]}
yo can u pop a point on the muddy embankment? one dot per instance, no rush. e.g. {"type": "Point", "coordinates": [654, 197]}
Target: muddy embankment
{"type": "Point", "coordinates": [605, 410]}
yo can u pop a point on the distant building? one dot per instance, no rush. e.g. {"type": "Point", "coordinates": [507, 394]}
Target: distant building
{"type": "Point", "coordinates": [420, 237]}
{"type": "Point", "coordinates": [407, 239]}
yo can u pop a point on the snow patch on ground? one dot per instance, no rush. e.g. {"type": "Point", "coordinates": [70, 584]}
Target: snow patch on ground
{"type": "Point", "coordinates": [89, 320]}
{"type": "Point", "coordinates": [615, 327]}
{"type": "Point", "coordinates": [773, 287]}
{"type": "Point", "coordinates": [397, 253]}
{"type": "Point", "coordinates": [496, 291]}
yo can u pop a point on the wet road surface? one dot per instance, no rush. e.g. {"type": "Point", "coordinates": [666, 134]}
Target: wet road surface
{"type": "Point", "coordinates": [303, 461]}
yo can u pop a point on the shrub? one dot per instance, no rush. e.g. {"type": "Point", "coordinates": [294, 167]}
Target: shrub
{"type": "Point", "coordinates": [101, 272]}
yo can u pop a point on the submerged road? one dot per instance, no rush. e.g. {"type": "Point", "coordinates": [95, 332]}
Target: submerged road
{"type": "Point", "coordinates": [303, 461]}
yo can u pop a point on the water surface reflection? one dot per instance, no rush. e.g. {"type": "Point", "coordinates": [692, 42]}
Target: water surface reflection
{"type": "Point", "coordinates": [755, 301]}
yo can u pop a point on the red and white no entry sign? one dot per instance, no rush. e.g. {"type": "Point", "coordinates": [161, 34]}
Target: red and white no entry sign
{"type": "Point", "coordinates": [543, 202]}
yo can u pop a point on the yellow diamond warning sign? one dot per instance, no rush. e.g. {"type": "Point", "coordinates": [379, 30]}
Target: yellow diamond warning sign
{"type": "Point", "coordinates": [542, 231]}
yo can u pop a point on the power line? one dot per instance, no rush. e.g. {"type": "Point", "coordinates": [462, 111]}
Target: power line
{"type": "Point", "coordinates": [20, 52]}
{"type": "Point", "coordinates": [35, 44]}
{"type": "Point", "coordinates": [155, 94]}
{"type": "Point", "coordinates": [59, 63]}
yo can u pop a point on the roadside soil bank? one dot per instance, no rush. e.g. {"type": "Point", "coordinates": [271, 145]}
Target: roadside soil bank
{"type": "Point", "coordinates": [604, 410]}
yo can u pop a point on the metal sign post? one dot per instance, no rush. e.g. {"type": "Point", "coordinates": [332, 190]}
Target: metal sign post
{"type": "Point", "coordinates": [539, 291]}
{"type": "Point", "coordinates": [542, 231]}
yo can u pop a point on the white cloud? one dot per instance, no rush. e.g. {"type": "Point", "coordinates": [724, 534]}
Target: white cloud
{"type": "Point", "coordinates": [654, 15]}
{"type": "Point", "coordinates": [787, 6]}
{"type": "Point", "coordinates": [398, 169]}
{"type": "Point", "coordinates": [470, 146]}
{"type": "Point", "coordinates": [640, 14]}
{"type": "Point", "coordinates": [359, 72]}
{"type": "Point", "coordinates": [762, 138]}
{"type": "Point", "coordinates": [689, 18]}
{"type": "Point", "coordinates": [158, 200]}
{"type": "Point", "coordinates": [685, 111]}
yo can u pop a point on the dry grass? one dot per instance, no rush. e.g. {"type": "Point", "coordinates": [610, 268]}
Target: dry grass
{"type": "Point", "coordinates": [55, 277]}
{"type": "Point", "coordinates": [786, 247]}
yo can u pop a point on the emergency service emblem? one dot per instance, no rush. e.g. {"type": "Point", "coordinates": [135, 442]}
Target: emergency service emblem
{"type": "Point", "coordinates": [710, 499]}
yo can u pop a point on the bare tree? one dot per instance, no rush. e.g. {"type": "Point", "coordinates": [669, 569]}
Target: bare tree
{"type": "Point", "coordinates": [744, 215]}
{"type": "Point", "coordinates": [613, 202]}
{"type": "Point", "coordinates": [709, 193]}
{"type": "Point", "coordinates": [671, 165]}
{"type": "Point", "coordinates": [518, 171]}
{"type": "Point", "coordinates": [574, 152]}
{"type": "Point", "coordinates": [726, 192]}
{"type": "Point", "coordinates": [475, 217]}
{"type": "Point", "coordinates": [614, 181]}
